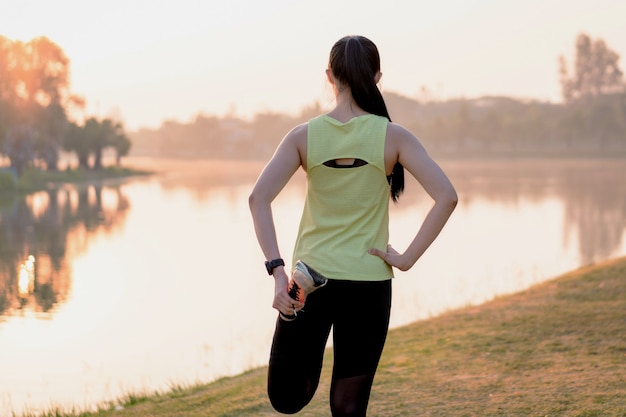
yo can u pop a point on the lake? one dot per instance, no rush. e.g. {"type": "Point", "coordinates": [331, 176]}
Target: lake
{"type": "Point", "coordinates": [149, 283]}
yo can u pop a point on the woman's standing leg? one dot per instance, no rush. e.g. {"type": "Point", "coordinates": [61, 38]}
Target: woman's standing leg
{"type": "Point", "coordinates": [361, 320]}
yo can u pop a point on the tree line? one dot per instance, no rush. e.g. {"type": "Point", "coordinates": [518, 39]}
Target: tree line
{"type": "Point", "coordinates": [590, 121]}
{"type": "Point", "coordinates": [35, 104]}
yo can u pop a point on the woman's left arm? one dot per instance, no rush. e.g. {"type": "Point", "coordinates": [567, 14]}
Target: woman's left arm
{"type": "Point", "coordinates": [413, 156]}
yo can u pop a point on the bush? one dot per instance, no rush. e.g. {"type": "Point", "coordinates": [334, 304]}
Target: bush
{"type": "Point", "coordinates": [7, 180]}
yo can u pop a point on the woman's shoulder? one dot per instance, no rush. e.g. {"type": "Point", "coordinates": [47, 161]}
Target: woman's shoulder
{"type": "Point", "coordinates": [401, 138]}
{"type": "Point", "coordinates": [396, 131]}
{"type": "Point", "coordinates": [299, 130]}
{"type": "Point", "coordinates": [297, 135]}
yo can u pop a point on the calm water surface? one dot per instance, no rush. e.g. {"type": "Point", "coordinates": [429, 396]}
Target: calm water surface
{"type": "Point", "coordinates": [149, 283]}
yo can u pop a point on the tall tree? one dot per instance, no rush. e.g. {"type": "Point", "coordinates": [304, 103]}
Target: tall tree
{"type": "Point", "coordinates": [595, 71]}
{"type": "Point", "coordinates": [121, 144]}
{"type": "Point", "coordinates": [7, 72]}
{"type": "Point", "coordinates": [19, 146]}
{"type": "Point", "coordinates": [43, 75]}
{"type": "Point", "coordinates": [34, 92]}
{"type": "Point", "coordinates": [106, 133]}
{"type": "Point", "coordinates": [76, 140]}
{"type": "Point", "coordinates": [93, 138]}
{"type": "Point", "coordinates": [52, 123]}
{"type": "Point", "coordinates": [7, 89]}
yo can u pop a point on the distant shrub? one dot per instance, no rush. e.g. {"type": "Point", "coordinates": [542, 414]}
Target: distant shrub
{"type": "Point", "coordinates": [7, 181]}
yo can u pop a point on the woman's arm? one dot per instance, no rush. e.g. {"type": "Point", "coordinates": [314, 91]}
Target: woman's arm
{"type": "Point", "coordinates": [285, 162]}
{"type": "Point", "coordinates": [412, 155]}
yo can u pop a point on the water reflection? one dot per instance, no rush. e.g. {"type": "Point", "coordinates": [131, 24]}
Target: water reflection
{"type": "Point", "coordinates": [593, 193]}
{"type": "Point", "coordinates": [41, 233]}
{"type": "Point", "coordinates": [26, 278]}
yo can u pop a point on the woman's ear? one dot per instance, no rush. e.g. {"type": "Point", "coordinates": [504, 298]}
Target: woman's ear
{"type": "Point", "coordinates": [329, 75]}
{"type": "Point", "coordinates": [378, 76]}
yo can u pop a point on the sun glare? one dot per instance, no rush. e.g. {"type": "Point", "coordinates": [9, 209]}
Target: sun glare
{"type": "Point", "coordinates": [26, 277]}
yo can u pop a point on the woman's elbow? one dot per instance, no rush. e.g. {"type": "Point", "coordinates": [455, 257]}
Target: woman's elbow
{"type": "Point", "coordinates": [449, 199]}
{"type": "Point", "coordinates": [256, 200]}
{"type": "Point", "coordinates": [453, 200]}
{"type": "Point", "coordinates": [252, 200]}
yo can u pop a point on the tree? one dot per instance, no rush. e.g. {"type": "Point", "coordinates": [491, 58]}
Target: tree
{"type": "Point", "coordinates": [596, 71]}
{"type": "Point", "coordinates": [43, 74]}
{"type": "Point", "coordinates": [19, 146]}
{"type": "Point", "coordinates": [93, 138]}
{"type": "Point", "coordinates": [121, 144]}
{"type": "Point", "coordinates": [77, 141]}
{"type": "Point", "coordinates": [7, 65]}
{"type": "Point", "coordinates": [34, 81]}
{"type": "Point", "coordinates": [52, 123]}
{"type": "Point", "coordinates": [107, 132]}
{"type": "Point", "coordinates": [7, 89]}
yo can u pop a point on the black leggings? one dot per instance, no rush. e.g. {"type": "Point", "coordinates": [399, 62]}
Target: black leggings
{"type": "Point", "coordinates": [359, 314]}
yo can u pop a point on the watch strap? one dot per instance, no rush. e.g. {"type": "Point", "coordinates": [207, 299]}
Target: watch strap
{"type": "Point", "coordinates": [274, 263]}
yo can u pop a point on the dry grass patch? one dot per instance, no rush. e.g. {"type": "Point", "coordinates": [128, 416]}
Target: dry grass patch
{"type": "Point", "coordinates": [558, 349]}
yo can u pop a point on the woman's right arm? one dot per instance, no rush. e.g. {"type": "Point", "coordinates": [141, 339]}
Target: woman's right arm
{"type": "Point", "coordinates": [412, 155]}
{"type": "Point", "coordinates": [285, 162]}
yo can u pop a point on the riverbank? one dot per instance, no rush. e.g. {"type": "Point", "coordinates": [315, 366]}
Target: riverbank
{"type": "Point", "coordinates": [34, 179]}
{"type": "Point", "coordinates": [557, 349]}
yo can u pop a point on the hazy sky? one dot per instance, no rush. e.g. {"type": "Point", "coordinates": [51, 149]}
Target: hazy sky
{"type": "Point", "coordinates": [156, 60]}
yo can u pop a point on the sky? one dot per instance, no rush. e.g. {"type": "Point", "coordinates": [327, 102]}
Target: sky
{"type": "Point", "coordinates": [144, 62]}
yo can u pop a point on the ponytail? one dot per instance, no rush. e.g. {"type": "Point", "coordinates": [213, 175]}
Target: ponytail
{"type": "Point", "coordinates": [354, 61]}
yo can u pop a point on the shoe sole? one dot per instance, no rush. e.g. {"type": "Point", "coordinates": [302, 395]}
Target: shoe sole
{"type": "Point", "coordinates": [303, 282]}
{"type": "Point", "coordinates": [307, 278]}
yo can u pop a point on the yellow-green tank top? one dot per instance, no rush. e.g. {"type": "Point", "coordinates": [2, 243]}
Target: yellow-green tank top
{"type": "Point", "coordinates": [346, 211]}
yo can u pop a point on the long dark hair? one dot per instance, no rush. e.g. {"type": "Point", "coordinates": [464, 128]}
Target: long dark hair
{"type": "Point", "coordinates": [355, 62]}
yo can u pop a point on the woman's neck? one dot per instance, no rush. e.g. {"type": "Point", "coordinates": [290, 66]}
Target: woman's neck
{"type": "Point", "coordinates": [345, 107]}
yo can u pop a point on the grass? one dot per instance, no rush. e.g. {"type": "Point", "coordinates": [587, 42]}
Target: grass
{"type": "Point", "coordinates": [557, 349]}
{"type": "Point", "coordinates": [35, 179]}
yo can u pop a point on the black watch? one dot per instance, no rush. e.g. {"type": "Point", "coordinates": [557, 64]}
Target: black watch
{"type": "Point", "coordinates": [270, 265]}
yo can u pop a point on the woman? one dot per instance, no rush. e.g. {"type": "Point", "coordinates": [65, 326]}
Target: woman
{"type": "Point", "coordinates": [354, 158]}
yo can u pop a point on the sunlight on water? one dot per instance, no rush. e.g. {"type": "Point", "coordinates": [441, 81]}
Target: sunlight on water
{"type": "Point", "coordinates": [26, 277]}
{"type": "Point", "coordinates": [140, 285]}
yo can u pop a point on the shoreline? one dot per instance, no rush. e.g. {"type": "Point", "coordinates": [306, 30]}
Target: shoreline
{"type": "Point", "coordinates": [34, 179]}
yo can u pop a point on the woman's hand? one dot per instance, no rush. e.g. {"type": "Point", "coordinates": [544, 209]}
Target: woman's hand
{"type": "Point", "coordinates": [282, 301]}
{"type": "Point", "coordinates": [392, 257]}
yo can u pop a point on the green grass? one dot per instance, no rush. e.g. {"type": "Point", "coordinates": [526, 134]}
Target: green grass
{"type": "Point", "coordinates": [557, 349]}
{"type": "Point", "coordinates": [35, 179]}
